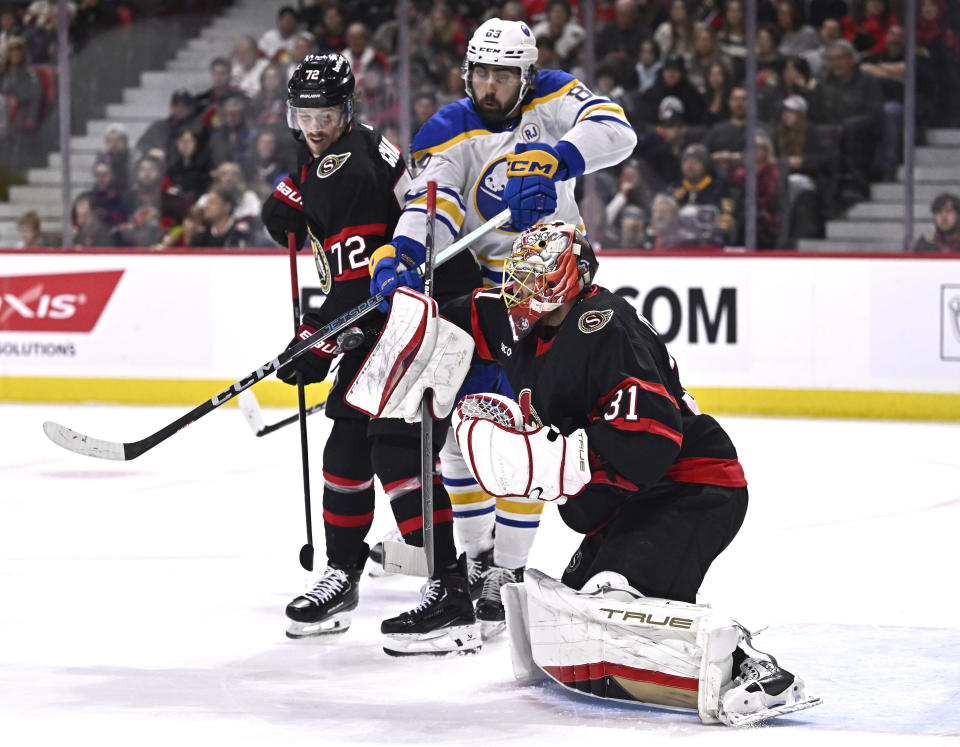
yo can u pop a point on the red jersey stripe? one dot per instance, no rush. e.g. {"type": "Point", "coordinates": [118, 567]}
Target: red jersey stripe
{"type": "Point", "coordinates": [725, 472]}
{"type": "Point", "coordinates": [378, 229]}
{"type": "Point", "coordinates": [345, 482]}
{"type": "Point", "coordinates": [482, 349]}
{"type": "Point", "coordinates": [650, 426]}
{"type": "Point", "coordinates": [598, 670]}
{"type": "Point", "coordinates": [343, 520]}
{"type": "Point", "coordinates": [412, 525]}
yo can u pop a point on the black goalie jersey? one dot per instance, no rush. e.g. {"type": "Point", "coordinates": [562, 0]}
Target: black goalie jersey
{"type": "Point", "coordinates": [347, 203]}
{"type": "Point", "coordinates": [606, 370]}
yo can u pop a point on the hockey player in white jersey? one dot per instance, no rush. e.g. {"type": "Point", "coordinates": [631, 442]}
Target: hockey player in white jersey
{"type": "Point", "coordinates": [519, 140]}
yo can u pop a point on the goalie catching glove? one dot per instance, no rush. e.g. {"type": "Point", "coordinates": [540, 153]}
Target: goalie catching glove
{"type": "Point", "coordinates": [509, 461]}
{"type": "Point", "coordinates": [417, 353]}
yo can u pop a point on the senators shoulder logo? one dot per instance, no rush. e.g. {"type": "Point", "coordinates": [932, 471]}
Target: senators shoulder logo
{"type": "Point", "coordinates": [591, 321]}
{"type": "Point", "coordinates": [331, 163]}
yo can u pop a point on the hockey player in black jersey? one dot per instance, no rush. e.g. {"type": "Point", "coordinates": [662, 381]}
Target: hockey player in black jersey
{"type": "Point", "coordinates": [345, 197]}
{"type": "Point", "coordinates": [604, 428]}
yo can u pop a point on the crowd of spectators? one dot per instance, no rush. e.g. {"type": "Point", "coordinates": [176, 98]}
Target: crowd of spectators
{"type": "Point", "coordinates": [830, 97]}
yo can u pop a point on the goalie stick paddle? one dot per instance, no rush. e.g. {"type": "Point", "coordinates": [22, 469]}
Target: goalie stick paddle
{"type": "Point", "coordinates": [80, 443]}
{"type": "Point", "coordinates": [250, 407]}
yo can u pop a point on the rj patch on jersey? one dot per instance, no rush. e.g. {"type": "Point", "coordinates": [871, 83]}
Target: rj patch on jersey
{"type": "Point", "coordinates": [591, 321]}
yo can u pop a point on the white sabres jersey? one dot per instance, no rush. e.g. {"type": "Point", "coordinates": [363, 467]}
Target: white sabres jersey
{"type": "Point", "coordinates": [467, 158]}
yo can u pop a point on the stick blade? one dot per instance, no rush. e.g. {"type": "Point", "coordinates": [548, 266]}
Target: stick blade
{"type": "Point", "coordinates": [247, 402]}
{"type": "Point", "coordinates": [71, 440]}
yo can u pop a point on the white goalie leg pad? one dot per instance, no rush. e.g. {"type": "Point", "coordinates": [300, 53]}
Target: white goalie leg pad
{"type": "Point", "coordinates": [417, 351]}
{"type": "Point", "coordinates": [611, 645]}
{"type": "Point", "coordinates": [525, 669]}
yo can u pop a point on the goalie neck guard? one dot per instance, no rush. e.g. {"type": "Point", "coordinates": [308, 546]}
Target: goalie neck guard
{"type": "Point", "coordinates": [321, 81]}
{"type": "Point", "coordinates": [550, 264]}
{"type": "Point", "coordinates": [500, 43]}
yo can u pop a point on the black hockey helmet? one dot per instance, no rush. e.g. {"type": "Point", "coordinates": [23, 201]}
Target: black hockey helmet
{"type": "Point", "coordinates": [321, 81]}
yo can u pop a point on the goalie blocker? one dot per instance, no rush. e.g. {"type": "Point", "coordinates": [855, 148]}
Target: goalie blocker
{"type": "Point", "coordinates": [608, 641]}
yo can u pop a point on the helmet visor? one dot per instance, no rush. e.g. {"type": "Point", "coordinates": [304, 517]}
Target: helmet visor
{"type": "Point", "coordinates": [322, 119]}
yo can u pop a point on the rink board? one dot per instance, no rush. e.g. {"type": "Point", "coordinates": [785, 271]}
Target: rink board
{"type": "Point", "coordinates": [769, 334]}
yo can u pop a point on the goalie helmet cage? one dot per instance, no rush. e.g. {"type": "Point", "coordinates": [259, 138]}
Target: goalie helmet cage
{"type": "Point", "coordinates": [427, 465]}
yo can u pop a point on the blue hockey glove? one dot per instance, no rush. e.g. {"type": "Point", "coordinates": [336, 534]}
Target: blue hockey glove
{"type": "Point", "coordinates": [394, 266]}
{"type": "Point", "coordinates": [530, 192]}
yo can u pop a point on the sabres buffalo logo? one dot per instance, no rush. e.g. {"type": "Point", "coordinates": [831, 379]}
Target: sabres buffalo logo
{"type": "Point", "coordinates": [488, 193]}
{"type": "Point", "coordinates": [591, 321]}
{"type": "Point", "coordinates": [331, 163]}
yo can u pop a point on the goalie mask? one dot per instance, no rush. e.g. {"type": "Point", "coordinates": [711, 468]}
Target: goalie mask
{"type": "Point", "coordinates": [320, 95]}
{"type": "Point", "coordinates": [550, 264]}
{"type": "Point", "coordinates": [498, 43]}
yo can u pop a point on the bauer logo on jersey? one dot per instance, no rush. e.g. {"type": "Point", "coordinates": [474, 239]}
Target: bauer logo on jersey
{"type": "Point", "coordinates": [331, 163]}
{"type": "Point", "coordinates": [488, 195]}
{"type": "Point", "coordinates": [591, 321]}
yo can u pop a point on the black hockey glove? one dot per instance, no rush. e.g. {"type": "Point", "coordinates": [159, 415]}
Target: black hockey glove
{"type": "Point", "coordinates": [313, 364]}
{"type": "Point", "coordinates": [279, 218]}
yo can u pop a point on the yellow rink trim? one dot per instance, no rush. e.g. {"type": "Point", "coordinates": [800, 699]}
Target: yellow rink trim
{"type": "Point", "coordinates": [829, 403]}
{"type": "Point", "coordinates": [715, 400]}
{"type": "Point", "coordinates": [270, 393]}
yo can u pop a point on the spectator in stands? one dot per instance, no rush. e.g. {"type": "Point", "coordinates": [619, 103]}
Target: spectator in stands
{"type": "Point", "coordinates": [606, 84]}
{"type": "Point", "coordinates": [233, 139]}
{"type": "Point", "coordinates": [620, 38]}
{"type": "Point", "coordinates": [188, 175]}
{"type": "Point", "coordinates": [624, 213]}
{"type": "Point", "coordinates": [160, 138]}
{"type": "Point", "coordinates": [946, 223]}
{"type": "Point", "coordinates": [20, 81]}
{"type": "Point", "coordinates": [331, 36]}
{"type": "Point", "coordinates": [145, 194]}
{"type": "Point", "coordinates": [9, 28]}
{"type": "Point", "coordinates": [664, 230]}
{"type": "Point", "coordinates": [659, 149]}
{"type": "Point", "coordinates": [796, 37]}
{"type": "Point", "coordinates": [866, 27]}
{"type": "Point", "coordinates": [304, 43]}
{"type": "Point", "coordinates": [853, 100]}
{"type": "Point", "coordinates": [248, 66]}
{"type": "Point", "coordinates": [513, 10]}
{"type": "Point", "coordinates": [246, 204]}
{"type": "Point", "coordinates": [439, 44]}
{"type": "Point", "coordinates": [361, 54]}
{"type": "Point", "coordinates": [220, 228]}
{"type": "Point", "coordinates": [648, 64]}
{"type": "Point", "coordinates": [726, 141]}
{"type": "Point", "coordinates": [268, 164]}
{"type": "Point", "coordinates": [181, 235]}
{"type": "Point", "coordinates": [675, 35]}
{"type": "Point", "coordinates": [942, 46]}
{"type": "Point", "coordinates": [650, 13]}
{"type": "Point", "coordinates": [108, 203]}
{"type": "Point", "coordinates": [40, 28]}
{"type": "Point", "coordinates": [807, 160]}
{"type": "Point", "coordinates": [820, 10]}
{"type": "Point", "coordinates": [116, 154]}
{"type": "Point", "coordinates": [714, 220]}
{"type": "Point", "coordinates": [277, 43]}
{"type": "Point", "coordinates": [733, 37]}
{"type": "Point", "coordinates": [768, 194]}
{"type": "Point", "coordinates": [210, 101]}
{"type": "Point", "coordinates": [672, 81]}
{"type": "Point", "coordinates": [706, 52]}
{"type": "Point", "coordinates": [768, 58]}
{"type": "Point", "coordinates": [829, 32]}
{"type": "Point", "coordinates": [424, 106]}
{"type": "Point", "coordinates": [377, 98]}
{"type": "Point", "coordinates": [719, 87]}
{"type": "Point", "coordinates": [28, 226]}
{"type": "Point", "coordinates": [269, 106]}
{"type": "Point", "coordinates": [88, 228]}
{"type": "Point", "coordinates": [91, 17]}
{"type": "Point", "coordinates": [453, 89]}
{"type": "Point", "coordinates": [565, 33]}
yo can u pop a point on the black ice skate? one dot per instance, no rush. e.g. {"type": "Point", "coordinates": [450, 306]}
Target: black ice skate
{"type": "Point", "coordinates": [476, 567]}
{"type": "Point", "coordinates": [327, 606]}
{"type": "Point", "coordinates": [763, 691]}
{"type": "Point", "coordinates": [443, 622]}
{"type": "Point", "coordinates": [490, 611]}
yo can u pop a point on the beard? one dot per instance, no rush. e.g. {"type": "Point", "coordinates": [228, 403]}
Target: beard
{"type": "Point", "coordinates": [496, 113]}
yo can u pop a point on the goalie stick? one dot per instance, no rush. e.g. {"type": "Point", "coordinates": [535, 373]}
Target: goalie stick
{"type": "Point", "coordinates": [84, 445]}
{"type": "Point", "coordinates": [427, 464]}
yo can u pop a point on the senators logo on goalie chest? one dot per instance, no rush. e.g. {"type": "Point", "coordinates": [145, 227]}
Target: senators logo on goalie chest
{"type": "Point", "coordinates": [591, 321]}
{"type": "Point", "coordinates": [331, 163]}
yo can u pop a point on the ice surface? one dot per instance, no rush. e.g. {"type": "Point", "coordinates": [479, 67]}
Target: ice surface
{"type": "Point", "coordinates": [142, 602]}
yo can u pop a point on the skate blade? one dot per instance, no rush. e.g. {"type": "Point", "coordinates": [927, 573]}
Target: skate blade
{"type": "Point", "coordinates": [332, 626]}
{"type": "Point", "coordinates": [462, 639]}
{"type": "Point", "coordinates": [740, 720]}
{"type": "Point", "coordinates": [490, 629]}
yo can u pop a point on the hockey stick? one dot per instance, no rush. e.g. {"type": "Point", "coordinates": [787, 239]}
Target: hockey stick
{"type": "Point", "coordinates": [306, 552]}
{"type": "Point", "coordinates": [427, 464]}
{"type": "Point", "coordinates": [79, 443]}
{"type": "Point", "coordinates": [250, 407]}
